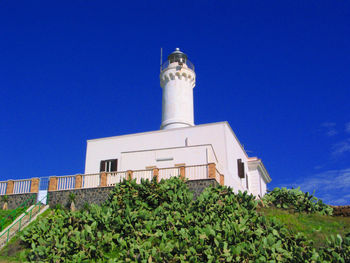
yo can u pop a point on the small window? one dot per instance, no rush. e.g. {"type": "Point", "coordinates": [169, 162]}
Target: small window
{"type": "Point", "coordinates": [109, 165]}
{"type": "Point", "coordinates": [240, 167]}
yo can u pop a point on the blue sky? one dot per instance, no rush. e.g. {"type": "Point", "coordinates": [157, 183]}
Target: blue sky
{"type": "Point", "coordinates": [277, 71]}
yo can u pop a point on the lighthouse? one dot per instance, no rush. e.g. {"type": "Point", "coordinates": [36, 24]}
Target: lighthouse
{"type": "Point", "coordinates": [177, 79]}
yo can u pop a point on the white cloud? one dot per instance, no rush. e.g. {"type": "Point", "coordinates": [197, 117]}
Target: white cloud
{"type": "Point", "coordinates": [331, 186]}
{"type": "Point", "coordinates": [341, 147]}
{"type": "Point", "coordinates": [329, 128]}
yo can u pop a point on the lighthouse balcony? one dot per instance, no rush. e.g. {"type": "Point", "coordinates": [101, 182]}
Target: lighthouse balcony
{"type": "Point", "coordinates": [186, 64]}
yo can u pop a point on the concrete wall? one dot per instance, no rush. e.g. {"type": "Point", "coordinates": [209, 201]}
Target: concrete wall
{"type": "Point", "coordinates": [16, 200]}
{"type": "Point", "coordinates": [163, 158]}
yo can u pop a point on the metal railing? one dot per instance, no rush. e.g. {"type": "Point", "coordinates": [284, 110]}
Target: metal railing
{"type": "Point", "coordinates": [90, 180]}
{"type": "Point", "coordinates": [3, 187]}
{"type": "Point", "coordinates": [144, 174]}
{"type": "Point", "coordinates": [196, 172]}
{"type": "Point", "coordinates": [115, 177]}
{"type": "Point", "coordinates": [17, 226]}
{"type": "Point", "coordinates": [22, 186]}
{"type": "Point", "coordinates": [187, 64]}
{"type": "Point", "coordinates": [166, 173]}
{"type": "Point", "coordinates": [66, 182]}
{"type": "Point", "coordinates": [14, 213]}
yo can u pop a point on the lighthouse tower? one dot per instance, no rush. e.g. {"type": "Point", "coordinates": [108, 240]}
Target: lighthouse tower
{"type": "Point", "coordinates": [177, 79]}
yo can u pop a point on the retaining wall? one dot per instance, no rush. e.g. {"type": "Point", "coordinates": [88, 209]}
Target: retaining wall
{"type": "Point", "coordinates": [16, 200]}
{"type": "Point", "coordinates": [98, 195]}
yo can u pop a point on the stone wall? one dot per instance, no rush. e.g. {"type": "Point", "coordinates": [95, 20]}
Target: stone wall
{"type": "Point", "coordinates": [95, 195]}
{"type": "Point", "coordinates": [99, 194]}
{"type": "Point", "coordinates": [16, 200]}
{"type": "Point", "coordinates": [197, 186]}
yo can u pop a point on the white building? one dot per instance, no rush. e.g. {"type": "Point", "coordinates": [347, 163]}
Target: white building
{"type": "Point", "coordinates": [179, 143]}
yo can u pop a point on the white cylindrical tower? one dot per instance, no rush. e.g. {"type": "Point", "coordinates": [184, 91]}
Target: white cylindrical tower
{"type": "Point", "coordinates": [177, 78]}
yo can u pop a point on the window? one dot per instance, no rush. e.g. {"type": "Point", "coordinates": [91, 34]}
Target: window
{"type": "Point", "coordinates": [109, 165]}
{"type": "Point", "coordinates": [240, 167]}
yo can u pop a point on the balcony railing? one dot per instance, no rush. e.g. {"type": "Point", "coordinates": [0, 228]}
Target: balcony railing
{"type": "Point", "coordinates": [187, 64]}
{"type": "Point", "coordinates": [57, 183]}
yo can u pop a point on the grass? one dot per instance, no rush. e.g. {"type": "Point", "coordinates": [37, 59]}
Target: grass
{"type": "Point", "coordinates": [8, 221]}
{"type": "Point", "coordinates": [14, 250]}
{"type": "Point", "coordinates": [315, 227]}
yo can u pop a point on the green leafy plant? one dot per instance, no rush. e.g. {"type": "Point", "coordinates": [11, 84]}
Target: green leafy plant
{"type": "Point", "coordinates": [72, 201]}
{"type": "Point", "coordinates": [160, 222]}
{"type": "Point", "coordinates": [296, 200]}
{"type": "Point", "coordinates": [5, 199]}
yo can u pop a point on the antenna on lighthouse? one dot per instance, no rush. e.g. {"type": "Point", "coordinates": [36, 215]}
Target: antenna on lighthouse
{"type": "Point", "coordinates": [161, 58]}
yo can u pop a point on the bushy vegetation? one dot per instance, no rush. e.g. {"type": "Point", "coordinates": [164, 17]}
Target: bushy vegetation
{"type": "Point", "coordinates": [160, 222]}
{"type": "Point", "coordinates": [295, 199]}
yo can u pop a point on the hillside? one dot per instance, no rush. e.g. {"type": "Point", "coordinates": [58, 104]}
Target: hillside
{"type": "Point", "coordinates": [160, 222]}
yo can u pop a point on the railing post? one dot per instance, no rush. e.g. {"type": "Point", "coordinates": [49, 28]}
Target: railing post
{"type": "Point", "coordinates": [78, 181]}
{"type": "Point", "coordinates": [103, 179]}
{"type": "Point", "coordinates": [211, 170]}
{"type": "Point", "coordinates": [53, 183]}
{"type": "Point", "coordinates": [182, 173]}
{"type": "Point", "coordinates": [222, 179]}
{"type": "Point", "coordinates": [129, 175]}
{"type": "Point", "coordinates": [34, 186]}
{"type": "Point", "coordinates": [156, 174]}
{"type": "Point", "coordinates": [10, 185]}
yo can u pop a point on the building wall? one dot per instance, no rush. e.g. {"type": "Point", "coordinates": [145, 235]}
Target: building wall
{"type": "Point", "coordinates": [254, 182]}
{"type": "Point", "coordinates": [234, 152]}
{"type": "Point", "coordinates": [163, 158]}
{"type": "Point", "coordinates": [138, 151]}
{"type": "Point", "coordinates": [113, 147]}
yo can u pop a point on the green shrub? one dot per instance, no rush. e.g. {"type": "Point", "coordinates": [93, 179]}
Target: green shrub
{"type": "Point", "coordinates": [160, 222]}
{"type": "Point", "coordinates": [295, 199]}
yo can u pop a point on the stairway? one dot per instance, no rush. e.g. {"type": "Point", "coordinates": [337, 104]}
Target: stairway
{"type": "Point", "coordinates": [21, 222]}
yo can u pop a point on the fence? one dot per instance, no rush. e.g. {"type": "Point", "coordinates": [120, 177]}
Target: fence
{"type": "Point", "coordinates": [166, 173]}
{"type": "Point", "coordinates": [3, 187]}
{"type": "Point", "coordinates": [91, 180]}
{"type": "Point", "coordinates": [196, 172]}
{"type": "Point", "coordinates": [192, 172]}
{"type": "Point", "coordinates": [144, 174]}
{"type": "Point", "coordinates": [66, 182]}
{"type": "Point", "coordinates": [20, 223]}
{"type": "Point", "coordinates": [115, 177]}
{"type": "Point", "coordinates": [22, 186]}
